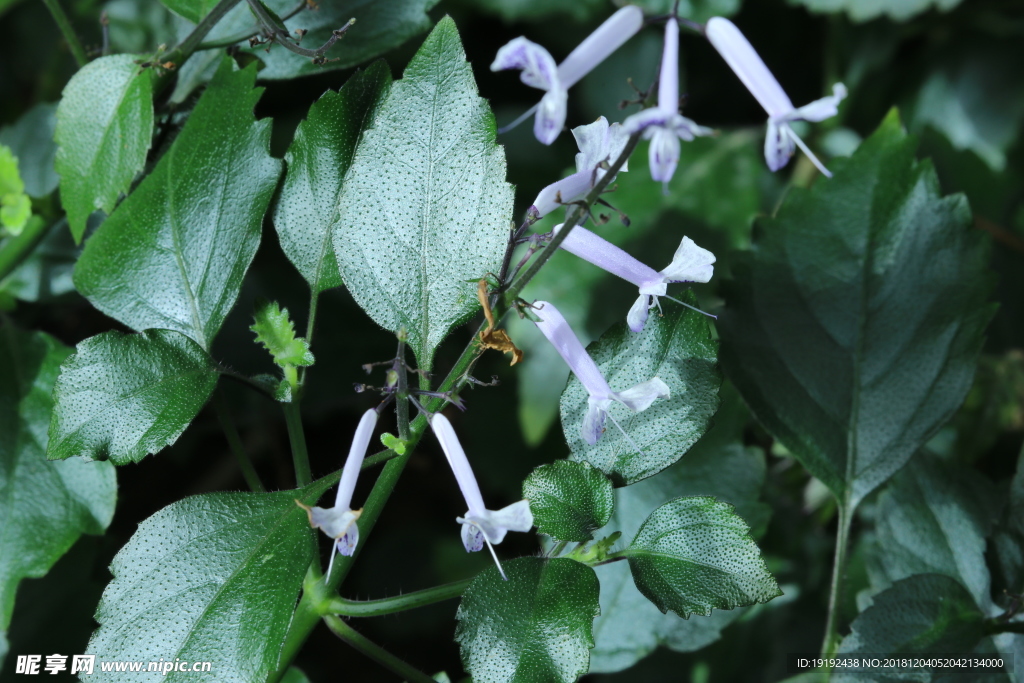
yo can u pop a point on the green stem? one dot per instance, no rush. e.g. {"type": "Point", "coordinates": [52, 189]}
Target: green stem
{"type": "Point", "coordinates": [297, 439]}
{"type": "Point", "coordinates": [183, 50]}
{"type": "Point", "coordinates": [399, 603]}
{"type": "Point", "coordinates": [305, 618]}
{"type": "Point", "coordinates": [375, 652]}
{"type": "Point", "coordinates": [16, 249]}
{"type": "Point", "coordinates": [378, 458]}
{"type": "Point", "coordinates": [252, 32]}
{"type": "Point", "coordinates": [402, 395]}
{"type": "Point", "coordinates": [69, 33]}
{"type": "Point", "coordinates": [557, 550]}
{"type": "Point", "coordinates": [220, 404]}
{"type": "Point", "coordinates": [828, 645]}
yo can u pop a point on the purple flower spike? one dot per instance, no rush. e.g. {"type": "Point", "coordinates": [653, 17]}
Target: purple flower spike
{"type": "Point", "coordinates": [781, 141]}
{"type": "Point", "coordinates": [539, 70]}
{"type": "Point", "coordinates": [339, 522]}
{"type": "Point", "coordinates": [479, 525]}
{"type": "Point", "coordinates": [663, 125]}
{"type": "Point", "coordinates": [637, 398]}
{"type": "Point", "coordinates": [689, 264]}
{"type": "Point", "coordinates": [600, 145]}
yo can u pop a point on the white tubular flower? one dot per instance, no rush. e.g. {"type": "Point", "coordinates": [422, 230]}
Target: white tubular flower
{"type": "Point", "coordinates": [339, 522]}
{"type": "Point", "coordinates": [741, 57]}
{"type": "Point", "coordinates": [637, 398]}
{"type": "Point", "coordinates": [689, 264]}
{"type": "Point", "coordinates": [663, 125]}
{"type": "Point", "coordinates": [600, 144]}
{"type": "Point", "coordinates": [479, 525]}
{"type": "Point", "coordinates": [539, 70]}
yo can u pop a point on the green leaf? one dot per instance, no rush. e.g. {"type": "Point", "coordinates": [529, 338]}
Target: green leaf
{"type": "Point", "coordinates": [955, 100]}
{"type": "Point", "coordinates": [15, 206]}
{"type": "Point", "coordinates": [443, 183]}
{"type": "Point", "coordinates": [317, 161]}
{"type": "Point", "coordinates": [854, 328]}
{"type": "Point", "coordinates": [209, 578]}
{"type": "Point", "coordinates": [174, 253]}
{"type": "Point", "coordinates": [694, 10]}
{"type": "Point", "coordinates": [677, 348]}
{"type": "Point", "coordinates": [1008, 539]}
{"type": "Point", "coordinates": [31, 140]}
{"type": "Point", "coordinates": [694, 554]}
{"type": "Point", "coordinates": [933, 518]}
{"type": "Point", "coordinates": [193, 10]}
{"type": "Point", "coordinates": [274, 329]}
{"type": "Point", "coordinates": [925, 614]}
{"type": "Point", "coordinates": [859, 10]}
{"type": "Point", "coordinates": [47, 505]}
{"type": "Point", "coordinates": [124, 396]}
{"type": "Point", "coordinates": [104, 130]}
{"type": "Point", "coordinates": [534, 627]}
{"type": "Point", "coordinates": [569, 500]}
{"type": "Point", "coordinates": [379, 28]}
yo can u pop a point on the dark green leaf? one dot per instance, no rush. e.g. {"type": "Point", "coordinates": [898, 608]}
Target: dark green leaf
{"type": "Point", "coordinates": [174, 253]}
{"type": "Point", "coordinates": [104, 129]}
{"type": "Point", "coordinates": [519, 10]}
{"type": "Point", "coordinates": [317, 161]}
{"type": "Point", "coordinates": [47, 505]}
{"type": "Point", "coordinates": [31, 140]}
{"type": "Point", "coordinates": [534, 627]}
{"type": "Point", "coordinates": [630, 626]}
{"type": "Point", "coordinates": [125, 396]}
{"type": "Point", "coordinates": [443, 184]}
{"type": "Point", "coordinates": [859, 10]}
{"type": "Point", "coordinates": [274, 329]}
{"type": "Point", "coordinates": [569, 500]}
{"type": "Point", "coordinates": [933, 518]}
{"type": "Point", "coordinates": [925, 614]}
{"type": "Point", "coordinates": [694, 10]}
{"type": "Point", "coordinates": [854, 328]}
{"type": "Point", "coordinates": [677, 348]}
{"type": "Point", "coordinates": [694, 554]}
{"type": "Point", "coordinates": [1008, 539]}
{"type": "Point", "coordinates": [46, 272]}
{"type": "Point", "coordinates": [210, 578]}
{"type": "Point", "coordinates": [193, 10]}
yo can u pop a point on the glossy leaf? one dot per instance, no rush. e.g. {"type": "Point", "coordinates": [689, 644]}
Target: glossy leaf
{"type": "Point", "coordinates": [193, 10]}
{"type": "Point", "coordinates": [677, 348]}
{"type": "Point", "coordinates": [125, 396]}
{"type": "Point", "coordinates": [694, 554]}
{"type": "Point", "coordinates": [209, 578]}
{"type": "Point", "coordinates": [933, 518]}
{"type": "Point", "coordinates": [925, 614]}
{"type": "Point", "coordinates": [854, 327]}
{"type": "Point", "coordinates": [174, 253]}
{"type": "Point", "coordinates": [317, 161]}
{"type": "Point", "coordinates": [569, 500]}
{"type": "Point", "coordinates": [47, 505]}
{"type": "Point", "coordinates": [396, 256]}
{"type": "Point", "coordinates": [865, 10]}
{"type": "Point", "coordinates": [630, 626]}
{"type": "Point", "coordinates": [534, 627]}
{"type": "Point", "coordinates": [104, 130]}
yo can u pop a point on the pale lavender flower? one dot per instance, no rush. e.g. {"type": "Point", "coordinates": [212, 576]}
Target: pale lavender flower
{"type": "Point", "coordinates": [600, 145]}
{"type": "Point", "coordinates": [339, 522]}
{"type": "Point", "coordinates": [479, 525]}
{"type": "Point", "coordinates": [539, 70]}
{"type": "Point", "coordinates": [741, 57]}
{"type": "Point", "coordinates": [689, 264]}
{"type": "Point", "coordinates": [663, 125]}
{"type": "Point", "coordinates": [637, 398]}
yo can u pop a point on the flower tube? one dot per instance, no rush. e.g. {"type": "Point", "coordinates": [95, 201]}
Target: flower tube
{"type": "Point", "coordinates": [689, 264]}
{"type": "Point", "coordinates": [637, 398]}
{"type": "Point", "coordinates": [539, 70]}
{"type": "Point", "coordinates": [663, 125]}
{"type": "Point", "coordinates": [479, 525]}
{"type": "Point", "coordinates": [339, 522]}
{"type": "Point", "coordinates": [741, 57]}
